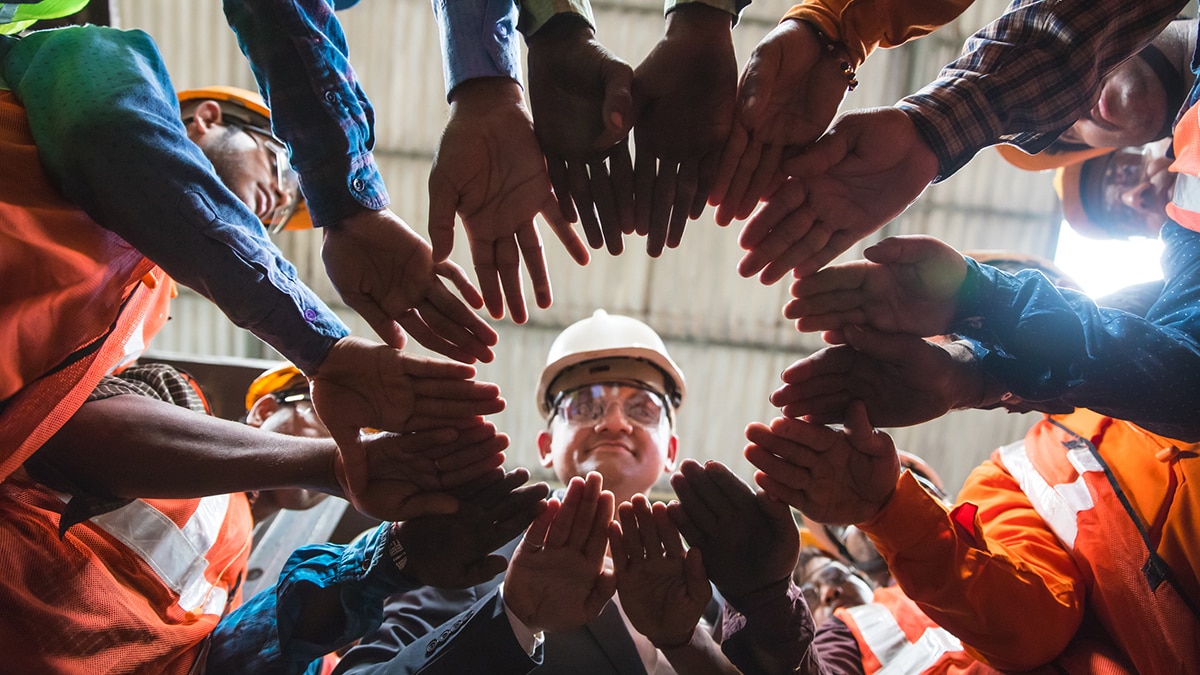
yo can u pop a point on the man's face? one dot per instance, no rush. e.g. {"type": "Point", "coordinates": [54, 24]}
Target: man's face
{"type": "Point", "coordinates": [828, 584]}
{"type": "Point", "coordinates": [1134, 191]}
{"type": "Point", "coordinates": [291, 415]}
{"type": "Point", "coordinates": [1130, 110]}
{"type": "Point", "coordinates": [248, 164]}
{"type": "Point", "coordinates": [621, 430]}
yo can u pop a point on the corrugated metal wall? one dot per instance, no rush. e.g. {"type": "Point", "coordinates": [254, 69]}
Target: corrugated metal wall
{"type": "Point", "coordinates": [726, 332]}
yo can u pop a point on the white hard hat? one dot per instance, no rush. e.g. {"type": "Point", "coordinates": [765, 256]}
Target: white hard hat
{"type": "Point", "coordinates": [608, 336]}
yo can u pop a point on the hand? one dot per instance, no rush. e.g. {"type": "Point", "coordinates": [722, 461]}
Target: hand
{"type": "Point", "coordinates": [906, 285]}
{"type": "Point", "coordinates": [410, 475]}
{"type": "Point", "coordinates": [557, 580]}
{"type": "Point", "coordinates": [663, 589]}
{"type": "Point", "coordinates": [902, 379]}
{"type": "Point", "coordinates": [684, 93]}
{"type": "Point", "coordinates": [451, 551]}
{"type": "Point", "coordinates": [839, 477]}
{"type": "Point", "coordinates": [582, 112]}
{"type": "Point", "coordinates": [749, 541]}
{"type": "Point", "coordinates": [489, 170]}
{"type": "Point", "coordinates": [385, 272]}
{"type": "Point", "coordinates": [365, 384]}
{"type": "Point", "coordinates": [789, 92]}
{"type": "Point", "coordinates": [861, 174]}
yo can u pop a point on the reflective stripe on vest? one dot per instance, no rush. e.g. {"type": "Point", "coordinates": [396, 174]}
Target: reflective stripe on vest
{"type": "Point", "coordinates": [1058, 505]}
{"type": "Point", "coordinates": [176, 554]}
{"type": "Point", "coordinates": [1184, 207]}
{"type": "Point", "coordinates": [886, 640]}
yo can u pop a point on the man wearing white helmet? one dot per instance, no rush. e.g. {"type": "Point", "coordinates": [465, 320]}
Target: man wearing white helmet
{"type": "Point", "coordinates": [609, 393]}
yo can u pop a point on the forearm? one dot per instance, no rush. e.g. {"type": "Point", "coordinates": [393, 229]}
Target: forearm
{"type": "Point", "coordinates": [863, 25]}
{"type": "Point", "coordinates": [1058, 347]}
{"type": "Point", "coordinates": [701, 655]}
{"type": "Point", "coordinates": [300, 58]}
{"type": "Point", "coordinates": [1028, 75]}
{"type": "Point", "coordinates": [1001, 583]}
{"type": "Point", "coordinates": [153, 449]}
{"type": "Point", "coordinates": [770, 631]}
{"type": "Point", "coordinates": [120, 151]}
{"type": "Point", "coordinates": [478, 39]}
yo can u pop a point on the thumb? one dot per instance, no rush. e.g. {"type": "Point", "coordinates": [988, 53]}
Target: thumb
{"type": "Point", "coordinates": [443, 203]}
{"type": "Point", "coordinates": [886, 347]}
{"type": "Point", "coordinates": [817, 159]}
{"type": "Point", "coordinates": [862, 435]}
{"type": "Point", "coordinates": [427, 504]}
{"type": "Point", "coordinates": [755, 89]}
{"type": "Point", "coordinates": [617, 110]}
{"type": "Point", "coordinates": [898, 251]}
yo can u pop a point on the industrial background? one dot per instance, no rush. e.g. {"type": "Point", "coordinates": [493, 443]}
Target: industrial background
{"type": "Point", "coordinates": [727, 333]}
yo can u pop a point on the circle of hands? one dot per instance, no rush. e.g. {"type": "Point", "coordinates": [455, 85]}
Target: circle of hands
{"type": "Point", "coordinates": [700, 136]}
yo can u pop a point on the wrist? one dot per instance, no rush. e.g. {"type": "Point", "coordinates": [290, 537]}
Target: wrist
{"type": "Point", "coordinates": [698, 19]}
{"type": "Point", "coordinates": [833, 49]}
{"type": "Point", "coordinates": [482, 94]}
{"type": "Point", "coordinates": [671, 643]}
{"type": "Point", "coordinates": [565, 28]}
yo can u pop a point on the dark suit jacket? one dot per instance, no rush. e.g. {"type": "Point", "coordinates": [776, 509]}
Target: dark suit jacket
{"type": "Point", "coordinates": [466, 632]}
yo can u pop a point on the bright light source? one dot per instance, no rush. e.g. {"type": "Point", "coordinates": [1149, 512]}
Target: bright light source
{"type": "Point", "coordinates": [1104, 266]}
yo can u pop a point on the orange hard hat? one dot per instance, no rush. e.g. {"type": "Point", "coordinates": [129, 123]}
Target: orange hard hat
{"type": "Point", "coordinates": [282, 377]}
{"type": "Point", "coordinates": [1048, 158]}
{"type": "Point", "coordinates": [248, 110]}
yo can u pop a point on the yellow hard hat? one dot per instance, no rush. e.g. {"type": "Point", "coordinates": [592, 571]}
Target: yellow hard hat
{"type": "Point", "coordinates": [1048, 158]}
{"type": "Point", "coordinates": [280, 378]}
{"type": "Point", "coordinates": [608, 336]}
{"type": "Point", "coordinates": [21, 15]}
{"type": "Point", "coordinates": [248, 109]}
{"type": "Point", "coordinates": [1013, 262]}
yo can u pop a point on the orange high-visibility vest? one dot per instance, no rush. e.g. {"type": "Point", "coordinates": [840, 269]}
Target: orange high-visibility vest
{"type": "Point", "coordinates": [1119, 499]}
{"type": "Point", "coordinates": [895, 636]}
{"type": "Point", "coordinates": [135, 590]}
{"type": "Point", "coordinates": [73, 297]}
{"type": "Point", "coordinates": [1184, 207]}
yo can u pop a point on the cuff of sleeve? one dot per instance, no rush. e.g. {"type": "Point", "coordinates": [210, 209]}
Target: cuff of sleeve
{"type": "Point", "coordinates": [910, 518]}
{"type": "Point", "coordinates": [536, 13]}
{"type": "Point", "coordinates": [528, 639]}
{"type": "Point", "coordinates": [954, 118]}
{"type": "Point", "coordinates": [478, 46]}
{"type": "Point", "coordinates": [828, 23]}
{"type": "Point", "coordinates": [733, 7]}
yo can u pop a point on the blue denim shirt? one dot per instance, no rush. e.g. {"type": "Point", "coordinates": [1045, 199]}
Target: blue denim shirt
{"type": "Point", "coordinates": [1056, 345]}
{"type": "Point", "coordinates": [107, 125]}
{"type": "Point", "coordinates": [258, 636]}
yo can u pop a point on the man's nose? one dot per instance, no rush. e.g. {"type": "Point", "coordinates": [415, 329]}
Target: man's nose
{"type": "Point", "coordinates": [1138, 197]}
{"type": "Point", "coordinates": [614, 418]}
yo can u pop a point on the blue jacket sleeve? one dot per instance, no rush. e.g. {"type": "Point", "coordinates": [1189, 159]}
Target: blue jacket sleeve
{"type": "Point", "coordinates": [105, 118]}
{"type": "Point", "coordinates": [300, 58]}
{"type": "Point", "coordinates": [260, 636]}
{"type": "Point", "coordinates": [1047, 344]}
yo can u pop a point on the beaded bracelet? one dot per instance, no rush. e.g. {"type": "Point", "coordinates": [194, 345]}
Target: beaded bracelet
{"type": "Point", "coordinates": [832, 48]}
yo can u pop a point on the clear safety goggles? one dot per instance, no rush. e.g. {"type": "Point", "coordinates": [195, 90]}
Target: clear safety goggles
{"type": "Point", "coordinates": [286, 180]}
{"type": "Point", "coordinates": [587, 405]}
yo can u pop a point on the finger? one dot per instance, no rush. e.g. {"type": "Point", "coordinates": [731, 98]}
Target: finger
{"type": "Point", "coordinates": [515, 513]}
{"type": "Point", "coordinates": [797, 499]}
{"type": "Point", "coordinates": [443, 203]}
{"type": "Point", "coordinates": [455, 309]}
{"type": "Point", "coordinates": [421, 504]}
{"type": "Point", "coordinates": [617, 109]}
{"type": "Point", "coordinates": [793, 240]}
{"type": "Point", "coordinates": [731, 156]}
{"type": "Point", "coordinates": [760, 182]}
{"type": "Point", "coordinates": [734, 494]}
{"type": "Point", "coordinates": [685, 192]}
{"type": "Point", "coordinates": [695, 575]}
{"type": "Point", "coordinates": [705, 180]}
{"type": "Point", "coordinates": [447, 319]}
{"type": "Point", "coordinates": [667, 533]}
{"type": "Point", "coordinates": [644, 169]}
{"type": "Point", "coordinates": [651, 542]}
{"type": "Point", "coordinates": [449, 270]}
{"type": "Point", "coordinates": [631, 537]}
{"type": "Point", "coordinates": [606, 206]}
{"type": "Point", "coordinates": [597, 541]}
{"type": "Point", "coordinates": [384, 326]}
{"type": "Point", "coordinates": [581, 192]}
{"type": "Point", "coordinates": [780, 470]}
{"type": "Point", "coordinates": [697, 491]}
{"type": "Point", "coordinates": [560, 529]}
{"type": "Point", "coordinates": [557, 169]}
{"type": "Point", "coordinates": [534, 537]}
{"type": "Point", "coordinates": [620, 167]}
{"type": "Point", "coordinates": [739, 181]}
{"type": "Point", "coordinates": [508, 264]}
{"type": "Point", "coordinates": [428, 337]}
{"type": "Point", "coordinates": [861, 434]}
{"type": "Point", "coordinates": [695, 536]}
{"type": "Point", "coordinates": [481, 571]}
{"type": "Point", "coordinates": [581, 528]}
{"type": "Point", "coordinates": [660, 208]}
{"type": "Point", "coordinates": [771, 230]}
{"type": "Point", "coordinates": [602, 592]}
{"type": "Point", "coordinates": [530, 242]}
{"type": "Point", "coordinates": [616, 546]}
{"type": "Point", "coordinates": [566, 234]}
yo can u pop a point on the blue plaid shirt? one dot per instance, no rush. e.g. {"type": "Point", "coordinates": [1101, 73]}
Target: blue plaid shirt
{"type": "Point", "coordinates": [1028, 75]}
{"type": "Point", "coordinates": [258, 636]}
